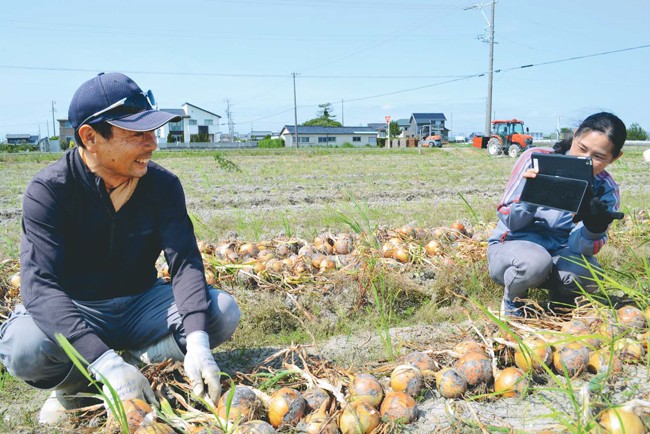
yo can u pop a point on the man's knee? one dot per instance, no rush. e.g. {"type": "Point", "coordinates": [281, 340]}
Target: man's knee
{"type": "Point", "coordinates": [33, 357]}
{"type": "Point", "coordinates": [224, 317]}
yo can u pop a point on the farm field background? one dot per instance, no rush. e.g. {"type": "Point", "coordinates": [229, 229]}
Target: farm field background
{"type": "Point", "coordinates": [258, 195]}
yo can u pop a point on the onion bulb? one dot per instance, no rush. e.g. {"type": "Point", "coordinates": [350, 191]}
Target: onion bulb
{"type": "Point", "coordinates": [135, 410]}
{"type": "Point", "coordinates": [358, 418]}
{"type": "Point", "coordinates": [619, 421]}
{"type": "Point", "coordinates": [629, 350]}
{"type": "Point", "coordinates": [572, 356]}
{"type": "Point", "coordinates": [318, 422]}
{"type": "Point", "coordinates": [255, 427]}
{"type": "Point", "coordinates": [203, 429]}
{"type": "Point", "coordinates": [422, 361]}
{"type": "Point", "coordinates": [510, 382]}
{"type": "Point", "coordinates": [398, 406]}
{"type": "Point", "coordinates": [433, 248]}
{"type": "Point", "coordinates": [245, 405]}
{"type": "Point", "coordinates": [407, 231]}
{"type": "Point", "coordinates": [366, 388]}
{"type": "Point", "coordinates": [476, 367]}
{"type": "Point", "coordinates": [578, 328]}
{"type": "Point", "coordinates": [315, 397]}
{"type": "Point", "coordinates": [402, 255]}
{"type": "Point", "coordinates": [632, 318]}
{"type": "Point", "coordinates": [534, 354]}
{"type": "Point", "coordinates": [458, 226]}
{"type": "Point", "coordinates": [343, 245]}
{"type": "Point", "coordinates": [155, 428]}
{"type": "Point", "coordinates": [603, 361]}
{"type": "Point", "coordinates": [387, 250]}
{"type": "Point", "coordinates": [286, 406]}
{"type": "Point", "coordinates": [407, 378]}
{"type": "Point", "coordinates": [451, 383]}
{"type": "Point", "coordinates": [14, 281]}
{"type": "Point", "coordinates": [248, 249]}
{"type": "Point", "coordinates": [465, 347]}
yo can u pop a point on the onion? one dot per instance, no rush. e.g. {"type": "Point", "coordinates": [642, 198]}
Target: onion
{"type": "Point", "coordinates": [135, 410]}
{"type": "Point", "coordinates": [402, 255]}
{"type": "Point", "coordinates": [632, 318]}
{"type": "Point", "coordinates": [358, 418]}
{"type": "Point", "coordinates": [315, 397]}
{"type": "Point", "coordinates": [324, 244]}
{"type": "Point", "coordinates": [274, 265]}
{"type": "Point", "coordinates": [407, 378]}
{"type": "Point", "coordinates": [265, 255]}
{"type": "Point", "coordinates": [451, 383]}
{"type": "Point", "coordinates": [534, 355]}
{"type": "Point", "coordinates": [629, 350]}
{"type": "Point", "coordinates": [155, 428]}
{"type": "Point", "coordinates": [343, 245]}
{"type": "Point", "coordinates": [510, 382]}
{"type": "Point", "coordinates": [573, 356]}
{"type": "Point", "coordinates": [458, 226]}
{"type": "Point", "coordinates": [578, 328]}
{"type": "Point", "coordinates": [602, 361]}
{"type": "Point", "coordinates": [202, 429]}
{"type": "Point", "coordinates": [14, 281]}
{"type": "Point", "coordinates": [420, 233]}
{"type": "Point", "coordinates": [283, 249]}
{"type": "Point", "coordinates": [465, 347]}
{"type": "Point", "coordinates": [422, 361]}
{"type": "Point", "coordinates": [255, 427]}
{"type": "Point", "coordinates": [245, 405]}
{"type": "Point", "coordinates": [387, 250]}
{"type": "Point", "coordinates": [316, 261]}
{"type": "Point", "coordinates": [259, 267]}
{"type": "Point", "coordinates": [433, 248]}
{"type": "Point", "coordinates": [327, 265]}
{"type": "Point", "coordinates": [287, 406]}
{"type": "Point", "coordinates": [618, 421]}
{"type": "Point", "coordinates": [366, 388]}
{"type": "Point", "coordinates": [476, 367]}
{"type": "Point", "coordinates": [398, 406]}
{"type": "Point", "coordinates": [644, 339]}
{"type": "Point", "coordinates": [407, 231]}
{"type": "Point", "coordinates": [248, 249]}
{"type": "Point", "coordinates": [318, 422]}
{"type": "Point", "coordinates": [609, 329]}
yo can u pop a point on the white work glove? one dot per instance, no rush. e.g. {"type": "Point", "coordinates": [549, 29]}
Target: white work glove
{"type": "Point", "coordinates": [200, 367]}
{"type": "Point", "coordinates": [126, 379]}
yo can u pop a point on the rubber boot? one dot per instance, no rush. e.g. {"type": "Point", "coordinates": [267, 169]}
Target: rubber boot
{"type": "Point", "coordinates": [62, 399]}
{"type": "Point", "coordinates": [166, 348]}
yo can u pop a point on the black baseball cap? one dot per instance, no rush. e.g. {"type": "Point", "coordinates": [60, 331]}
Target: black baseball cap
{"type": "Point", "coordinates": [115, 98]}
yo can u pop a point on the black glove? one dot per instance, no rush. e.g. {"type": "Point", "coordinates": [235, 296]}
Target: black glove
{"type": "Point", "coordinates": [597, 216]}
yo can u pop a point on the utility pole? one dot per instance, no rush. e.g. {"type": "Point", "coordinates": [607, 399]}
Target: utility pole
{"type": "Point", "coordinates": [53, 124]}
{"type": "Point", "coordinates": [489, 40]}
{"type": "Point", "coordinates": [295, 110]}
{"type": "Point", "coordinates": [231, 124]}
{"type": "Point", "coordinates": [342, 114]}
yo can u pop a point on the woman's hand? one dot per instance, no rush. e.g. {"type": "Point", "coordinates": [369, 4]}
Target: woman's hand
{"type": "Point", "coordinates": [530, 173]}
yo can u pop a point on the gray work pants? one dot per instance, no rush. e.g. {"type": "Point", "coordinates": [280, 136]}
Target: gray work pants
{"type": "Point", "coordinates": [520, 265]}
{"type": "Point", "coordinates": [131, 322]}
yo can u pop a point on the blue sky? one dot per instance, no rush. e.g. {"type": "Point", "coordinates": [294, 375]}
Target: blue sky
{"type": "Point", "coordinates": [368, 58]}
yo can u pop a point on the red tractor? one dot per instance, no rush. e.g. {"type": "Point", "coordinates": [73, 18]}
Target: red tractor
{"type": "Point", "coordinates": [507, 137]}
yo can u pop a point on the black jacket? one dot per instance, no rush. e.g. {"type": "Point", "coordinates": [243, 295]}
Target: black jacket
{"type": "Point", "coordinates": [75, 246]}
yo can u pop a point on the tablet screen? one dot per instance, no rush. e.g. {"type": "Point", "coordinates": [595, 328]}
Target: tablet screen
{"type": "Point", "coordinates": [554, 192]}
{"type": "Point", "coordinates": [566, 166]}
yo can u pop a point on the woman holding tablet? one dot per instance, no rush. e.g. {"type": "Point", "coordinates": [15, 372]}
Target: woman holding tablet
{"type": "Point", "coordinates": [541, 247]}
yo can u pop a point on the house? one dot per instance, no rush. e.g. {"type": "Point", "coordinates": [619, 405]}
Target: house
{"type": "Point", "coordinates": [328, 136]}
{"type": "Point", "coordinates": [16, 139]}
{"type": "Point", "coordinates": [196, 124]}
{"type": "Point", "coordinates": [66, 132]}
{"type": "Point", "coordinates": [256, 136]}
{"type": "Point", "coordinates": [435, 120]}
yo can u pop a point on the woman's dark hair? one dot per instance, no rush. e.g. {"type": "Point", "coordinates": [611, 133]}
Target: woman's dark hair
{"type": "Point", "coordinates": [104, 129]}
{"type": "Point", "coordinates": [603, 122]}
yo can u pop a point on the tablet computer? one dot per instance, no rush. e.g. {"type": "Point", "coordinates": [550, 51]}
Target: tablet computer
{"type": "Point", "coordinates": [561, 183]}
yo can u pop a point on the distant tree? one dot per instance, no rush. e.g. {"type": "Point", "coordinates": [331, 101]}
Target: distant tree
{"type": "Point", "coordinates": [324, 118]}
{"type": "Point", "coordinates": [394, 129]}
{"type": "Point", "coordinates": [635, 132]}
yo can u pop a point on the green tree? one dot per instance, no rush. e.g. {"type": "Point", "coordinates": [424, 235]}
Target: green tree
{"type": "Point", "coordinates": [324, 118]}
{"type": "Point", "coordinates": [635, 132]}
{"type": "Point", "coordinates": [394, 129]}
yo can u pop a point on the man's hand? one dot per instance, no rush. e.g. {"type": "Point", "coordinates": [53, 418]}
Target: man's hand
{"type": "Point", "coordinates": [200, 367]}
{"type": "Point", "coordinates": [126, 379]}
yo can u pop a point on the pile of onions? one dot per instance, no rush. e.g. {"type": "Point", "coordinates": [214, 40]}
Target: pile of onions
{"type": "Point", "coordinates": [398, 406]}
{"type": "Point", "coordinates": [572, 356]}
{"type": "Point", "coordinates": [422, 361]}
{"type": "Point", "coordinates": [255, 427]}
{"type": "Point", "coordinates": [245, 405]}
{"type": "Point", "coordinates": [358, 418]}
{"type": "Point", "coordinates": [406, 378]}
{"type": "Point", "coordinates": [629, 350]}
{"type": "Point", "coordinates": [286, 406]}
{"type": "Point", "coordinates": [366, 388]}
{"type": "Point", "coordinates": [631, 317]}
{"type": "Point", "coordinates": [451, 383]}
{"type": "Point", "coordinates": [603, 361]}
{"type": "Point", "coordinates": [534, 355]}
{"type": "Point", "coordinates": [476, 367]}
{"type": "Point", "coordinates": [619, 421]}
{"type": "Point", "coordinates": [510, 383]}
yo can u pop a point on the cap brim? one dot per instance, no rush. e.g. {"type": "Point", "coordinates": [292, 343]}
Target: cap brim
{"type": "Point", "coordinates": [148, 120]}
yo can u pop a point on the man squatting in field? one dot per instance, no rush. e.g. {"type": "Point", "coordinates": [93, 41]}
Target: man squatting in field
{"type": "Point", "coordinates": [93, 225]}
{"type": "Point", "coordinates": [538, 247]}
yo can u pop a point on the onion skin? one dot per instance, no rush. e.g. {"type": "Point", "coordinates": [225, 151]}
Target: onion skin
{"type": "Point", "coordinates": [398, 406]}
{"type": "Point", "coordinates": [574, 356]}
{"type": "Point", "coordinates": [599, 362]}
{"type": "Point", "coordinates": [358, 418]}
{"type": "Point", "coordinates": [422, 361]}
{"type": "Point", "coordinates": [619, 421]}
{"type": "Point", "coordinates": [577, 328]}
{"type": "Point", "coordinates": [135, 410]}
{"type": "Point", "coordinates": [539, 354]}
{"type": "Point", "coordinates": [451, 383]}
{"type": "Point", "coordinates": [155, 428]}
{"type": "Point", "coordinates": [510, 383]}
{"type": "Point", "coordinates": [407, 378]}
{"type": "Point", "coordinates": [286, 406]}
{"type": "Point", "coordinates": [255, 427]}
{"type": "Point", "coordinates": [245, 405]}
{"type": "Point", "coordinates": [465, 347]}
{"type": "Point", "coordinates": [366, 388]}
{"type": "Point", "coordinates": [476, 367]}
